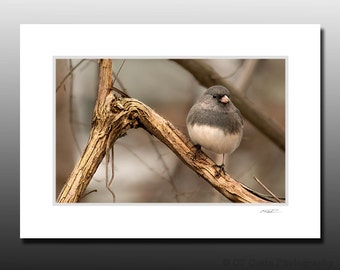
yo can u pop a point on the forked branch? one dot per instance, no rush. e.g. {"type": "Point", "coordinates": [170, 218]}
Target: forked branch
{"type": "Point", "coordinates": [114, 116]}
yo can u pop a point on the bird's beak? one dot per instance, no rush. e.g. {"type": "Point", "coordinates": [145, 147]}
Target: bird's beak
{"type": "Point", "coordinates": [224, 99]}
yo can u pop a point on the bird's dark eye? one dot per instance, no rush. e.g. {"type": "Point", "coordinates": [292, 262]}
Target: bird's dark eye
{"type": "Point", "coordinates": [214, 96]}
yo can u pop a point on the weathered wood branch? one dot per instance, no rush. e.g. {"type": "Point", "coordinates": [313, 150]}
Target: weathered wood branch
{"type": "Point", "coordinates": [207, 77]}
{"type": "Point", "coordinates": [99, 139]}
{"type": "Point", "coordinates": [111, 120]}
{"type": "Point", "coordinates": [123, 114]}
{"type": "Point", "coordinates": [156, 125]}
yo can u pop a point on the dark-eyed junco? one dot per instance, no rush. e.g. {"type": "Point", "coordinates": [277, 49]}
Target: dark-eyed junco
{"type": "Point", "coordinates": [215, 123]}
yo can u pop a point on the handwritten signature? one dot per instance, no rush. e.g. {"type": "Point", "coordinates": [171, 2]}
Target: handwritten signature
{"type": "Point", "coordinates": [270, 211]}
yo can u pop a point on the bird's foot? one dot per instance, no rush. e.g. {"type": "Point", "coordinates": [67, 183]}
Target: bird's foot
{"type": "Point", "coordinates": [198, 151]}
{"type": "Point", "coordinates": [220, 170]}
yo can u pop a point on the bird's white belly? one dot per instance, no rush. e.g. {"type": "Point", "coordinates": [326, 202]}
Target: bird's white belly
{"type": "Point", "coordinates": [214, 139]}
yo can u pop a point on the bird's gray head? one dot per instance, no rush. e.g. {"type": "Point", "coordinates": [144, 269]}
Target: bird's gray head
{"type": "Point", "coordinates": [218, 91]}
{"type": "Point", "coordinates": [218, 98]}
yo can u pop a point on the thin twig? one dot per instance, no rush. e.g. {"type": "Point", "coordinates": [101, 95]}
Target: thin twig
{"type": "Point", "coordinates": [267, 189]}
{"type": "Point", "coordinates": [112, 166]}
{"type": "Point", "coordinates": [171, 179]}
{"type": "Point", "coordinates": [123, 94]}
{"type": "Point", "coordinates": [73, 132]}
{"type": "Point", "coordinates": [143, 162]}
{"type": "Point", "coordinates": [83, 196]}
{"type": "Point", "coordinates": [69, 74]}
{"type": "Point", "coordinates": [109, 182]}
{"type": "Point", "coordinates": [116, 76]}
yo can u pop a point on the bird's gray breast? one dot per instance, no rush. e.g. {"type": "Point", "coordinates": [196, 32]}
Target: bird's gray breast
{"type": "Point", "coordinates": [229, 122]}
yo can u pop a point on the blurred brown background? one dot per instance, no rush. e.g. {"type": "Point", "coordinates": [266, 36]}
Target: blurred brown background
{"type": "Point", "coordinates": [145, 169]}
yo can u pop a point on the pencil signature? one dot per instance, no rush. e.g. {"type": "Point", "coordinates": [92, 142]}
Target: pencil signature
{"type": "Point", "coordinates": [270, 211]}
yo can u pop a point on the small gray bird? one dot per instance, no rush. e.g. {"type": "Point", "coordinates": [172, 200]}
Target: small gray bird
{"type": "Point", "coordinates": [215, 123]}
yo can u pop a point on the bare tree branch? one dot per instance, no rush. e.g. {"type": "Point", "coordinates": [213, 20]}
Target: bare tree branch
{"type": "Point", "coordinates": [114, 116]}
{"type": "Point", "coordinates": [126, 113]}
{"type": "Point", "coordinates": [105, 84]}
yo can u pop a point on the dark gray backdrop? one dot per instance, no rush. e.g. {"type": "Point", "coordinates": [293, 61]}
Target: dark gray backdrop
{"type": "Point", "coordinates": [225, 254]}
